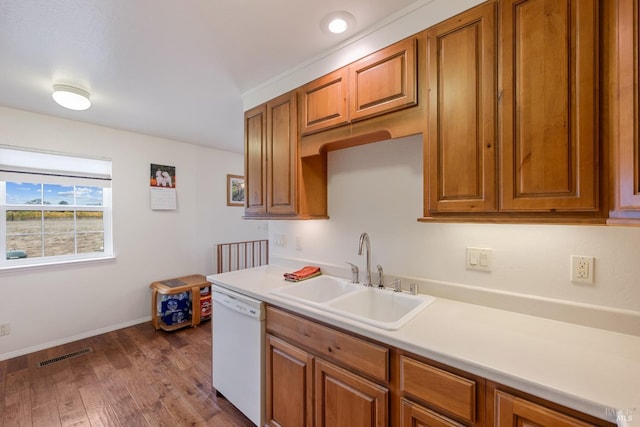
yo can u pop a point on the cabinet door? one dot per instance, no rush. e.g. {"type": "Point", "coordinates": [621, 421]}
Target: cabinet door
{"type": "Point", "coordinates": [289, 385]}
{"type": "Point", "coordinates": [548, 86]}
{"type": "Point", "coordinates": [414, 415]}
{"type": "Point", "coordinates": [344, 399]}
{"type": "Point", "coordinates": [460, 167]}
{"type": "Point", "coordinates": [513, 411]}
{"type": "Point", "coordinates": [324, 102]}
{"type": "Point", "coordinates": [384, 81]}
{"type": "Point", "coordinates": [627, 160]}
{"type": "Point", "coordinates": [282, 157]}
{"type": "Point", "coordinates": [255, 168]}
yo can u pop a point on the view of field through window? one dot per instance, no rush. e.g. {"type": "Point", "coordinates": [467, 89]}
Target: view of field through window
{"type": "Point", "coordinates": [38, 230]}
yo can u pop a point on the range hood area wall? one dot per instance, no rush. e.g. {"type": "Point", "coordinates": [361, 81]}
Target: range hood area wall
{"type": "Point", "coordinates": [377, 188]}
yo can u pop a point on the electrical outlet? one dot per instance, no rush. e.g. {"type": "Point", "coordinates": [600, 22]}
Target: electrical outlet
{"type": "Point", "coordinates": [5, 329]}
{"type": "Point", "coordinates": [479, 259]}
{"type": "Point", "coordinates": [582, 269]}
{"type": "Point", "coordinates": [299, 242]}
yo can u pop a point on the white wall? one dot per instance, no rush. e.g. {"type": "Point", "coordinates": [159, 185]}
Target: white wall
{"type": "Point", "coordinates": [50, 305]}
{"type": "Point", "coordinates": [377, 189]}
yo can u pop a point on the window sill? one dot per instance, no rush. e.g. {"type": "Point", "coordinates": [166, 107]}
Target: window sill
{"type": "Point", "coordinates": [56, 264]}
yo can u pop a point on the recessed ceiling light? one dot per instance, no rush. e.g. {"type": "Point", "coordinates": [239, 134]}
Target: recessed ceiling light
{"type": "Point", "coordinates": [71, 97]}
{"type": "Point", "coordinates": [338, 25]}
{"type": "Point", "coordinates": [338, 22]}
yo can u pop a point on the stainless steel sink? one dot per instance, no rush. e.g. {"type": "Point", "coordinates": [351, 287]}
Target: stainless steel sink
{"type": "Point", "coordinates": [382, 308]}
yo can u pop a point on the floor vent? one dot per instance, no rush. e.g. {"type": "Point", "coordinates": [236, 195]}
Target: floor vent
{"type": "Point", "coordinates": [64, 357]}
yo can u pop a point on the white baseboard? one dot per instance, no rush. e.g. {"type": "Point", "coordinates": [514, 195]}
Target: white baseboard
{"type": "Point", "coordinates": [72, 338]}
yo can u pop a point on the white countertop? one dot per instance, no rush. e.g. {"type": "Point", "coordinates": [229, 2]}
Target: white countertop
{"type": "Point", "coordinates": [591, 370]}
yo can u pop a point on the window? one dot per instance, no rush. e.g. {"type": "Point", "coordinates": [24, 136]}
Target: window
{"type": "Point", "coordinates": [54, 208]}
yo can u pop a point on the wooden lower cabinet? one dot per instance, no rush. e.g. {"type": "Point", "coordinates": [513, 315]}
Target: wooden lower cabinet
{"type": "Point", "coordinates": [512, 408]}
{"type": "Point", "coordinates": [344, 399]}
{"type": "Point", "coordinates": [516, 411]}
{"type": "Point", "coordinates": [318, 376]}
{"type": "Point", "coordinates": [289, 385]}
{"type": "Point", "coordinates": [415, 415]}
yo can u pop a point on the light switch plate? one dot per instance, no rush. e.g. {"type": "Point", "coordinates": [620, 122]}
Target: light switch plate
{"type": "Point", "coordinates": [479, 259]}
{"type": "Point", "coordinates": [280, 240]}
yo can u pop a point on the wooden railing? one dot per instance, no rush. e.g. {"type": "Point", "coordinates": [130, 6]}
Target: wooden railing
{"type": "Point", "coordinates": [238, 255]}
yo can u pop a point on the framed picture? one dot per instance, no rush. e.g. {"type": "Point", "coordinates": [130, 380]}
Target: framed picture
{"type": "Point", "coordinates": [235, 190]}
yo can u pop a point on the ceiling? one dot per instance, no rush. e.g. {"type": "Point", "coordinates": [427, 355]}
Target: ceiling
{"type": "Point", "coordinates": [176, 69]}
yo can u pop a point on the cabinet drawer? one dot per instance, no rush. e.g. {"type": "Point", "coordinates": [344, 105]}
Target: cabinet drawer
{"type": "Point", "coordinates": [355, 353]}
{"type": "Point", "coordinates": [451, 393]}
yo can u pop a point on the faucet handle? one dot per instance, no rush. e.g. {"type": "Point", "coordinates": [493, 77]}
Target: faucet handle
{"type": "Point", "coordinates": [413, 289]}
{"type": "Point", "coordinates": [380, 277]}
{"type": "Point", "coordinates": [354, 273]}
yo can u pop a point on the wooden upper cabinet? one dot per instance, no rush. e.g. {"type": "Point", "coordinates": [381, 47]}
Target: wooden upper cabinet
{"type": "Point", "coordinates": [548, 83]}
{"type": "Point", "coordinates": [624, 103]}
{"type": "Point", "coordinates": [324, 102]}
{"type": "Point", "coordinates": [255, 167]}
{"type": "Point", "coordinates": [384, 81]}
{"type": "Point", "coordinates": [282, 152]}
{"type": "Point", "coordinates": [380, 83]}
{"type": "Point", "coordinates": [271, 158]}
{"type": "Point", "coordinates": [460, 150]}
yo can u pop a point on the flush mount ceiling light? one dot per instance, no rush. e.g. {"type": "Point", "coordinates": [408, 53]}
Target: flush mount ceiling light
{"type": "Point", "coordinates": [71, 97]}
{"type": "Point", "coordinates": [338, 22]}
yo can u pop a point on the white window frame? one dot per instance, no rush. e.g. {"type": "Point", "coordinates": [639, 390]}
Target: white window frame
{"type": "Point", "coordinates": [19, 165]}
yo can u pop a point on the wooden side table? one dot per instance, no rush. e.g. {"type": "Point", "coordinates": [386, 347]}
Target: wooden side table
{"type": "Point", "coordinates": [172, 291]}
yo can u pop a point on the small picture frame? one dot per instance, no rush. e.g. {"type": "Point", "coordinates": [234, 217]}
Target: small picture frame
{"type": "Point", "coordinates": [235, 190]}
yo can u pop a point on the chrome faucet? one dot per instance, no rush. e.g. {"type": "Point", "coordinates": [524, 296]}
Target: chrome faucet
{"type": "Point", "coordinates": [364, 240]}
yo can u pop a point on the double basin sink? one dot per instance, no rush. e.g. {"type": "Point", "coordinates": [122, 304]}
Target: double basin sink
{"type": "Point", "coordinates": [382, 308]}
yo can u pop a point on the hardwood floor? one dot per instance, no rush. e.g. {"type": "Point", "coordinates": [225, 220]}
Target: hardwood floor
{"type": "Point", "coordinates": [135, 376]}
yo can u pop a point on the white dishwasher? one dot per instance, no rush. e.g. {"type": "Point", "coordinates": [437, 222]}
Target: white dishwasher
{"type": "Point", "coordinates": [238, 351]}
